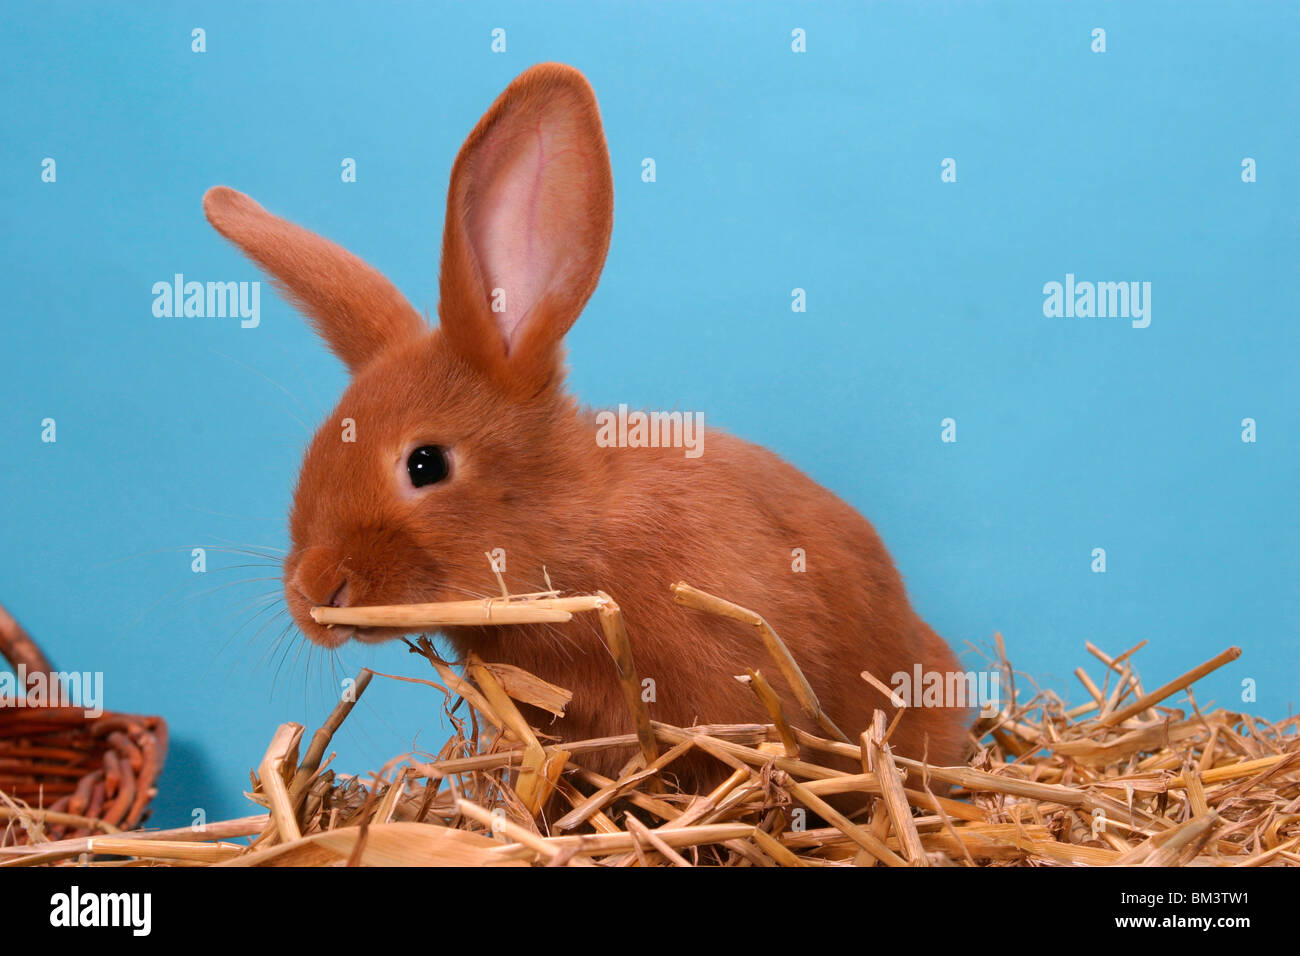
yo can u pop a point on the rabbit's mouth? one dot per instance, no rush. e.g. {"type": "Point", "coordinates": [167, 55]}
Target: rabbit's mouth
{"type": "Point", "coordinates": [333, 636]}
{"type": "Point", "coordinates": [376, 635]}
{"type": "Point", "coordinates": [318, 577]}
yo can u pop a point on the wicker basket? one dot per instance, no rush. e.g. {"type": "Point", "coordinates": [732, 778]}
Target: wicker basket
{"type": "Point", "coordinates": [102, 768]}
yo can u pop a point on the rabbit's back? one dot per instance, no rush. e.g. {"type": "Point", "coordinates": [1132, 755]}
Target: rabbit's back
{"type": "Point", "coordinates": [743, 524]}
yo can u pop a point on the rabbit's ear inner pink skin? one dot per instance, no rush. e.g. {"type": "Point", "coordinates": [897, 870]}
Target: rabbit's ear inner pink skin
{"type": "Point", "coordinates": [529, 214]}
{"type": "Point", "coordinates": [353, 307]}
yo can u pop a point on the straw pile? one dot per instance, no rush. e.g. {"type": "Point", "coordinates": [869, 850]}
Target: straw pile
{"type": "Point", "coordinates": [1123, 779]}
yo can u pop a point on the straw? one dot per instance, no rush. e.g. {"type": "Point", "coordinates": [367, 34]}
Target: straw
{"type": "Point", "coordinates": [1118, 779]}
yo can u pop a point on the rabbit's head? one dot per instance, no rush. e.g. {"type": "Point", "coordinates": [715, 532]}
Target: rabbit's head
{"type": "Point", "coordinates": [453, 441]}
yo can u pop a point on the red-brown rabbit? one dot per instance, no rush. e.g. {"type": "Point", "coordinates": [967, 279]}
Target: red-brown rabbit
{"type": "Point", "coordinates": [466, 441]}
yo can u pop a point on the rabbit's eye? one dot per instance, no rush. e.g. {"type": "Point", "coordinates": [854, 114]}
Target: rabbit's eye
{"type": "Point", "coordinates": [427, 465]}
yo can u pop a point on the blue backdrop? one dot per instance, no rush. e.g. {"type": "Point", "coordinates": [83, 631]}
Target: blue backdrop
{"type": "Point", "coordinates": [776, 170]}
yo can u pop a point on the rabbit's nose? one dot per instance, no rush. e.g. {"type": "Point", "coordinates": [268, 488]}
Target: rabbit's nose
{"type": "Point", "coordinates": [340, 596]}
{"type": "Point", "coordinates": [321, 582]}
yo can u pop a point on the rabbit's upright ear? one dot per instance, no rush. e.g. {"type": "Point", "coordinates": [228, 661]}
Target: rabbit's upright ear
{"type": "Point", "coordinates": [529, 215]}
{"type": "Point", "coordinates": [355, 309]}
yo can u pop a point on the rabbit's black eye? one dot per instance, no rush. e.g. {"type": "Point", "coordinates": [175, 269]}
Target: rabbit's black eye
{"type": "Point", "coordinates": [427, 465]}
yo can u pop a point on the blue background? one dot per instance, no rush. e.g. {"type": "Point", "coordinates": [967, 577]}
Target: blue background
{"type": "Point", "coordinates": [775, 171]}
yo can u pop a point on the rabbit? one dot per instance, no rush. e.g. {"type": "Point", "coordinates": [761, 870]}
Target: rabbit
{"type": "Point", "coordinates": [465, 440]}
